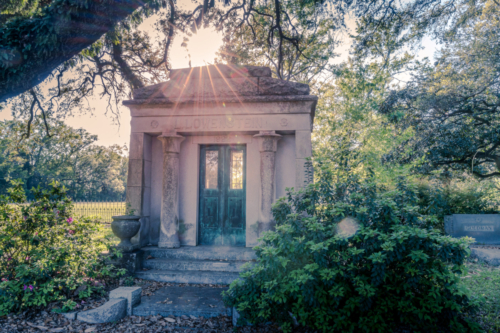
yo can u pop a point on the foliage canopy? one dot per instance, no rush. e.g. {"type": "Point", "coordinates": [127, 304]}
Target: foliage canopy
{"type": "Point", "coordinates": [70, 156]}
{"type": "Point", "coordinates": [453, 105]}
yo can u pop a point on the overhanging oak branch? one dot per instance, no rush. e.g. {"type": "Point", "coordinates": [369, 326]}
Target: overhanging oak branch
{"type": "Point", "coordinates": [30, 49]}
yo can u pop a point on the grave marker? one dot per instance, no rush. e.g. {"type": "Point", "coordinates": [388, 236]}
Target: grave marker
{"type": "Point", "coordinates": [484, 228]}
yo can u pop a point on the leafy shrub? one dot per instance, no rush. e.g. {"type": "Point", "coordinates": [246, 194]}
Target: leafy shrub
{"type": "Point", "coordinates": [128, 281]}
{"type": "Point", "coordinates": [456, 197]}
{"type": "Point", "coordinates": [46, 255]}
{"type": "Point", "coordinates": [393, 272]}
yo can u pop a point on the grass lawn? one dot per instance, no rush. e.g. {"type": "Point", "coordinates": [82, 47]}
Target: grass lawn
{"type": "Point", "coordinates": [106, 233]}
{"type": "Point", "coordinates": [102, 212]}
{"type": "Point", "coordinates": [484, 283]}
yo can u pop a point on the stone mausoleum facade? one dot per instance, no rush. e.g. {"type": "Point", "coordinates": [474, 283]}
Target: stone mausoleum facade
{"type": "Point", "coordinates": [211, 150]}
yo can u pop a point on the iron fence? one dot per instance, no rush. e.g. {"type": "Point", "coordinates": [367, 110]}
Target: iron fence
{"type": "Point", "coordinates": [100, 210]}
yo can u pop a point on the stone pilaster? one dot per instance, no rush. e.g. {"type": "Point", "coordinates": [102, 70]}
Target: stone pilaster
{"type": "Point", "coordinates": [303, 151]}
{"type": "Point", "coordinates": [139, 183]}
{"type": "Point", "coordinates": [268, 144]}
{"type": "Point", "coordinates": [169, 229]}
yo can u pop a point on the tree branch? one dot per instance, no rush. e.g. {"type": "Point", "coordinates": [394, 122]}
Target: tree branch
{"type": "Point", "coordinates": [58, 38]}
{"type": "Point", "coordinates": [127, 72]}
{"type": "Point", "coordinates": [171, 31]}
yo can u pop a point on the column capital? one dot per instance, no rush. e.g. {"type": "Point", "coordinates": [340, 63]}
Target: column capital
{"type": "Point", "coordinates": [268, 141]}
{"type": "Point", "coordinates": [171, 142]}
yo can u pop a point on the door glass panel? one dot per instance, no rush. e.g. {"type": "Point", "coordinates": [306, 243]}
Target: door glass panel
{"type": "Point", "coordinates": [236, 170]}
{"type": "Point", "coordinates": [211, 165]}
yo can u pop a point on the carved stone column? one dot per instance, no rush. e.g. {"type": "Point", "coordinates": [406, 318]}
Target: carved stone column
{"type": "Point", "coordinates": [169, 228]}
{"type": "Point", "coordinates": [268, 143]}
{"type": "Point", "coordinates": [139, 183]}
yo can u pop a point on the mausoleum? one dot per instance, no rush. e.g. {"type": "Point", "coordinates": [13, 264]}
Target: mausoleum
{"type": "Point", "coordinates": [211, 150]}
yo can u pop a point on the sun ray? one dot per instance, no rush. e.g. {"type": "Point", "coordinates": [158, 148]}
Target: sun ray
{"type": "Point", "coordinates": [230, 87]}
{"type": "Point", "coordinates": [236, 69]}
{"type": "Point", "coordinates": [201, 87]}
{"type": "Point", "coordinates": [186, 82]}
{"type": "Point", "coordinates": [212, 84]}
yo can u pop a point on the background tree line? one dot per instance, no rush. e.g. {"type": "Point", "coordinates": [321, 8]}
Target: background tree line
{"type": "Point", "coordinates": [70, 156]}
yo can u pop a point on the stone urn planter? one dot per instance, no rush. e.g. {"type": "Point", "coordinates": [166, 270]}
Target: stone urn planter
{"type": "Point", "coordinates": [126, 227]}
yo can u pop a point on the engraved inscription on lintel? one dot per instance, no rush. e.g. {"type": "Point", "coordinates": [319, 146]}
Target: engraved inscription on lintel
{"type": "Point", "coordinates": [219, 123]}
{"type": "Point", "coordinates": [221, 138]}
{"type": "Point", "coordinates": [487, 228]}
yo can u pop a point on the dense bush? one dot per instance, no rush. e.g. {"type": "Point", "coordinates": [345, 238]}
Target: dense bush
{"type": "Point", "coordinates": [46, 255]}
{"type": "Point", "coordinates": [438, 199]}
{"type": "Point", "coordinates": [395, 271]}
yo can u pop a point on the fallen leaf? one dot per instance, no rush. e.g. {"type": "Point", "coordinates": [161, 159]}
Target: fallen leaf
{"type": "Point", "coordinates": [193, 317]}
{"type": "Point", "coordinates": [43, 328]}
{"type": "Point", "coordinates": [465, 277]}
{"type": "Point", "coordinates": [140, 325]}
{"type": "Point", "coordinates": [170, 320]}
{"type": "Point", "coordinates": [150, 257]}
{"type": "Point", "coordinates": [90, 329]}
{"type": "Point", "coordinates": [59, 329]}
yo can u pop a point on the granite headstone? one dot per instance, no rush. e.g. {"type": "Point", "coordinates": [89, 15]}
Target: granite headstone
{"type": "Point", "coordinates": [484, 228]}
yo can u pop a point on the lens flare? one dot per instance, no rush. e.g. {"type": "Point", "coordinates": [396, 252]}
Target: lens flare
{"type": "Point", "coordinates": [347, 227]}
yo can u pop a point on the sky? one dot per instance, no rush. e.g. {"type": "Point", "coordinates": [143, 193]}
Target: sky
{"type": "Point", "coordinates": [202, 48]}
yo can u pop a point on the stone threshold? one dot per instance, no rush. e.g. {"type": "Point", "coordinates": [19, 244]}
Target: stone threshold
{"type": "Point", "coordinates": [188, 301]}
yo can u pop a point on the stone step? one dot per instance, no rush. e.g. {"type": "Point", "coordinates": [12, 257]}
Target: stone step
{"type": "Point", "coordinates": [189, 301]}
{"type": "Point", "coordinates": [194, 265]}
{"type": "Point", "coordinates": [191, 277]}
{"type": "Point", "coordinates": [202, 253]}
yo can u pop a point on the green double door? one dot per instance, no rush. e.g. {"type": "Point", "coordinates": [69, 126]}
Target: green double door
{"type": "Point", "coordinates": [222, 195]}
